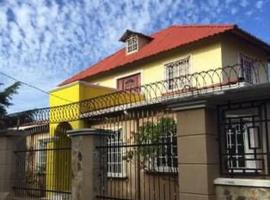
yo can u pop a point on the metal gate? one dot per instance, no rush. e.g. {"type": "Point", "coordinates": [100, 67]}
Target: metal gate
{"type": "Point", "coordinates": [139, 156]}
{"type": "Point", "coordinates": [43, 166]}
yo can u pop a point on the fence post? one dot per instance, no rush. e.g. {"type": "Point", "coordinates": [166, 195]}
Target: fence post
{"type": "Point", "coordinates": [198, 153]}
{"type": "Point", "coordinates": [86, 169]}
{"type": "Point", "coordinates": [8, 144]}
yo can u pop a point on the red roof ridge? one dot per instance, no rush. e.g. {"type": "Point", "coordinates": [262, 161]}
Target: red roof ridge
{"type": "Point", "coordinates": [202, 25]}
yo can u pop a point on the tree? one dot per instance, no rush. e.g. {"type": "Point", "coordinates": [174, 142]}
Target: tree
{"type": "Point", "coordinates": [5, 100]}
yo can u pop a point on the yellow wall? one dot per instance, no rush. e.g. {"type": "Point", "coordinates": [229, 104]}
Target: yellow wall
{"type": "Point", "coordinates": [212, 54]}
{"type": "Point", "coordinates": [75, 92]}
{"type": "Point", "coordinates": [69, 94]}
{"type": "Point", "coordinates": [203, 57]}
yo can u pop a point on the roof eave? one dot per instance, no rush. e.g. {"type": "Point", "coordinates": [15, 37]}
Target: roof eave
{"type": "Point", "coordinates": [252, 39]}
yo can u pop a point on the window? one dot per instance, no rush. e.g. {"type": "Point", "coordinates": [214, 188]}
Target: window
{"type": "Point", "coordinates": [132, 44]}
{"type": "Point", "coordinates": [243, 142]}
{"type": "Point", "coordinates": [247, 68]}
{"type": "Point", "coordinates": [166, 159]}
{"type": "Point", "coordinates": [129, 82]}
{"type": "Point", "coordinates": [161, 145]}
{"type": "Point", "coordinates": [176, 69]}
{"type": "Point", "coordinates": [42, 156]}
{"type": "Point", "coordinates": [116, 166]}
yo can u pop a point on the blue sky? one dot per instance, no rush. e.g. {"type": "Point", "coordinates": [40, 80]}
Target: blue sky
{"type": "Point", "coordinates": [44, 42]}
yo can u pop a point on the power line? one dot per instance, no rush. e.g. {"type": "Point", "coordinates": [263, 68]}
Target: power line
{"type": "Point", "coordinates": [34, 87]}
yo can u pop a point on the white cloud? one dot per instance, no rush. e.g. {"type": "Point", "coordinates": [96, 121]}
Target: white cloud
{"type": "Point", "coordinates": [44, 41]}
{"type": "Point", "coordinates": [259, 4]}
{"type": "Point", "coordinates": [244, 3]}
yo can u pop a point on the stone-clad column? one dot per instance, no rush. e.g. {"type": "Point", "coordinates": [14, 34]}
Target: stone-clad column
{"type": "Point", "coordinates": [198, 153]}
{"type": "Point", "coordinates": [86, 169]}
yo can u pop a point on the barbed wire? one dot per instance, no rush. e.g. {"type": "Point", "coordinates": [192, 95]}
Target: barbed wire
{"type": "Point", "coordinates": [183, 86]}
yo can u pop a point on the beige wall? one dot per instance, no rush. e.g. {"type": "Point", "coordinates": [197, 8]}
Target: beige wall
{"type": "Point", "coordinates": [232, 47]}
{"type": "Point", "coordinates": [198, 162]}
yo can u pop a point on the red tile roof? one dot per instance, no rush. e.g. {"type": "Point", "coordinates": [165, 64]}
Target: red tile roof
{"type": "Point", "coordinates": [164, 40]}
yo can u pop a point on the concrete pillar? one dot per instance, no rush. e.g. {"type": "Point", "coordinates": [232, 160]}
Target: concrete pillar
{"type": "Point", "coordinates": [8, 144]}
{"type": "Point", "coordinates": [198, 153]}
{"type": "Point", "coordinates": [85, 161]}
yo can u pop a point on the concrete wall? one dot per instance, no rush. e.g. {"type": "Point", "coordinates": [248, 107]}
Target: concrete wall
{"type": "Point", "coordinates": [198, 154]}
{"type": "Point", "coordinates": [8, 144]}
{"type": "Point", "coordinates": [86, 168]}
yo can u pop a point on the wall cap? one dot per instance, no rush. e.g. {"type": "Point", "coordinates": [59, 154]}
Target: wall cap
{"type": "Point", "coordinates": [242, 182]}
{"type": "Point", "coordinates": [89, 131]}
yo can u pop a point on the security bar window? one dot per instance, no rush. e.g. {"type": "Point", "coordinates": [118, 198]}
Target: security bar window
{"type": "Point", "coordinates": [166, 159]}
{"type": "Point", "coordinates": [176, 73]}
{"type": "Point", "coordinates": [247, 68]}
{"type": "Point", "coordinates": [161, 145]}
{"type": "Point", "coordinates": [115, 155]}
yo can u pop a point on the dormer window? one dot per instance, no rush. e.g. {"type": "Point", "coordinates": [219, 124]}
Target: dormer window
{"type": "Point", "coordinates": [134, 41]}
{"type": "Point", "coordinates": [132, 44]}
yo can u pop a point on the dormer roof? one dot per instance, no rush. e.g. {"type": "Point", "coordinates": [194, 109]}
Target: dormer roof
{"type": "Point", "coordinates": [128, 33]}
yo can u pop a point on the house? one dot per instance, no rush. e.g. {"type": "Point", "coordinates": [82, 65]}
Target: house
{"type": "Point", "coordinates": [205, 56]}
{"type": "Point", "coordinates": [158, 97]}
{"type": "Point", "coordinates": [178, 50]}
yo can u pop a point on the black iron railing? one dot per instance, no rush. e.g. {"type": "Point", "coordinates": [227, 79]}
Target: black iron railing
{"type": "Point", "coordinates": [139, 159]}
{"type": "Point", "coordinates": [194, 84]}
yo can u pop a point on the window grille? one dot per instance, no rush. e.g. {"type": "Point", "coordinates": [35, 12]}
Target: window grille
{"type": "Point", "coordinates": [247, 68]}
{"type": "Point", "coordinates": [179, 68]}
{"type": "Point", "coordinates": [115, 155]}
{"type": "Point", "coordinates": [166, 158]}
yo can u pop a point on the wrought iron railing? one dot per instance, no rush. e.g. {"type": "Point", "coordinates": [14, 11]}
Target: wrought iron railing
{"type": "Point", "coordinates": [189, 85]}
{"type": "Point", "coordinates": [139, 159]}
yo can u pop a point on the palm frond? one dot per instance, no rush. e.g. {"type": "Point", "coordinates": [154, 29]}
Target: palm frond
{"type": "Point", "coordinates": [12, 89]}
{"type": "Point", "coordinates": [6, 97]}
{"type": "Point", "coordinates": [7, 93]}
